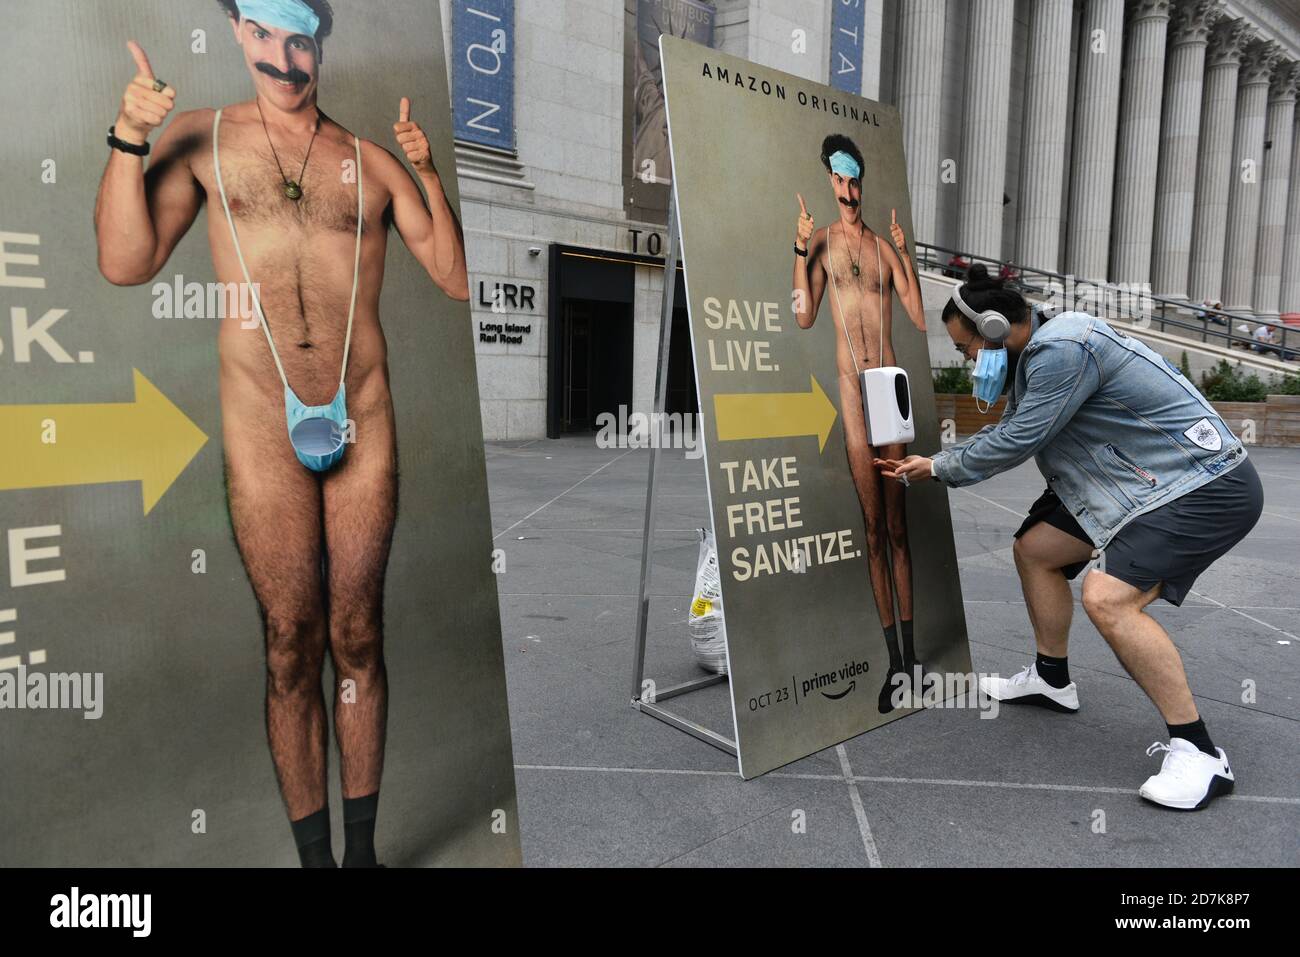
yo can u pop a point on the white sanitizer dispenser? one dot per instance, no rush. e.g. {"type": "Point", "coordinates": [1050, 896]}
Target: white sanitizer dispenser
{"type": "Point", "coordinates": [887, 406]}
{"type": "Point", "coordinates": [886, 392]}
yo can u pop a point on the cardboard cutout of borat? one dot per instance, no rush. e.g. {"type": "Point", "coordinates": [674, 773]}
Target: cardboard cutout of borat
{"type": "Point", "coordinates": [843, 602]}
{"type": "Point", "coordinates": [861, 301]}
{"type": "Point", "coordinates": [299, 213]}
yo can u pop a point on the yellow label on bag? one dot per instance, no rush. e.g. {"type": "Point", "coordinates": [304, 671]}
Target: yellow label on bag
{"type": "Point", "coordinates": [701, 607]}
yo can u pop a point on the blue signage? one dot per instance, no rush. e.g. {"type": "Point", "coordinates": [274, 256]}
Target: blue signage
{"type": "Point", "coordinates": [483, 71]}
{"type": "Point", "coordinates": [846, 45]}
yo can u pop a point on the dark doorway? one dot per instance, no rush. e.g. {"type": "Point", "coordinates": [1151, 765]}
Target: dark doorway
{"type": "Point", "coordinates": [596, 364]}
{"type": "Point", "coordinates": [682, 396]}
{"type": "Point", "coordinates": [591, 336]}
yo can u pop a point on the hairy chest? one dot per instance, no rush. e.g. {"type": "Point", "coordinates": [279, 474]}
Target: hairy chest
{"type": "Point", "coordinates": [253, 179]}
{"type": "Point", "coordinates": [855, 268]}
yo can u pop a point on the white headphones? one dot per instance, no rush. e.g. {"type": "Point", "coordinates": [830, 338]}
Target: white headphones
{"type": "Point", "coordinates": [990, 324]}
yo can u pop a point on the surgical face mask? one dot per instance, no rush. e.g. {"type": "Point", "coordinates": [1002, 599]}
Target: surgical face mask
{"type": "Point", "coordinates": [844, 164]}
{"type": "Point", "coordinates": [990, 376]}
{"type": "Point", "coordinates": [292, 15]}
{"type": "Point", "coordinates": [317, 432]}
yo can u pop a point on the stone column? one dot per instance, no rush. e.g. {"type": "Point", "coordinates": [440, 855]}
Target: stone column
{"type": "Point", "coordinates": [1214, 160]}
{"type": "Point", "coordinates": [1139, 141]}
{"type": "Point", "coordinates": [1096, 113]}
{"type": "Point", "coordinates": [982, 173]}
{"type": "Point", "coordinates": [1042, 167]}
{"type": "Point", "coordinates": [872, 52]}
{"type": "Point", "coordinates": [1244, 191]}
{"type": "Point", "coordinates": [1277, 172]}
{"type": "Point", "coordinates": [1180, 130]}
{"type": "Point", "coordinates": [920, 93]}
{"type": "Point", "coordinates": [1291, 247]}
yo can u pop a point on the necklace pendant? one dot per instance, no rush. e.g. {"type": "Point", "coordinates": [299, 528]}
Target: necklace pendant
{"type": "Point", "coordinates": [856, 270]}
{"type": "Point", "coordinates": [292, 190]}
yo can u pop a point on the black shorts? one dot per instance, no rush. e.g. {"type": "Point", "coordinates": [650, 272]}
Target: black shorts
{"type": "Point", "coordinates": [1170, 545]}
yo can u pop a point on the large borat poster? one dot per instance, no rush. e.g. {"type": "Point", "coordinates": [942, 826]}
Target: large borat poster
{"type": "Point", "coordinates": [247, 608]}
{"type": "Point", "coordinates": [843, 604]}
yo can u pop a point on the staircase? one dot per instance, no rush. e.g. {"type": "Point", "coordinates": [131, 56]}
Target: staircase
{"type": "Point", "coordinates": [1171, 329]}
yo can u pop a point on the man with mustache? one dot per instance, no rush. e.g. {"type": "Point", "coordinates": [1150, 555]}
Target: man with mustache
{"type": "Point", "coordinates": [298, 208]}
{"type": "Point", "coordinates": [864, 273]}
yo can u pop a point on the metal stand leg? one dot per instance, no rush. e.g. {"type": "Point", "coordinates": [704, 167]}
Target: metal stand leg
{"type": "Point", "coordinates": [641, 699]}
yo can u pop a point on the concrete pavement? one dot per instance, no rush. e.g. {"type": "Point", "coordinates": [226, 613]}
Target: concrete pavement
{"type": "Point", "coordinates": [601, 784]}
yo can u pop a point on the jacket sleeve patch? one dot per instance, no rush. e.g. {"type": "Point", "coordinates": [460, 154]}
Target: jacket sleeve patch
{"type": "Point", "coordinates": [1204, 434]}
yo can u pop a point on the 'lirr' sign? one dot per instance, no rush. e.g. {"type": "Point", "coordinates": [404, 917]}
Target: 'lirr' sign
{"type": "Point", "coordinates": [483, 71]}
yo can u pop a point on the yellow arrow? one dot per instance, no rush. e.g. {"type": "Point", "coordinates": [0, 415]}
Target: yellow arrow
{"type": "Point", "coordinates": [775, 415]}
{"type": "Point", "coordinates": [149, 441]}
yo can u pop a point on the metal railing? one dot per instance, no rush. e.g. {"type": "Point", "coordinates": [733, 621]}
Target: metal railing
{"type": "Point", "coordinates": [1117, 302]}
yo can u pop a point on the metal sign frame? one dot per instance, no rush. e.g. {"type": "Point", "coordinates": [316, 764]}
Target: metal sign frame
{"type": "Point", "coordinates": [643, 699]}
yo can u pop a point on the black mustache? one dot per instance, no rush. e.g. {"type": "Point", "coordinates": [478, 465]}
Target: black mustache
{"type": "Point", "coordinates": [850, 203]}
{"type": "Point", "coordinates": [293, 76]}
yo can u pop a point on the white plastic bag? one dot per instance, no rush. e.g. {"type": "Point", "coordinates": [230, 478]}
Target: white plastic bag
{"type": "Point", "coordinates": [708, 639]}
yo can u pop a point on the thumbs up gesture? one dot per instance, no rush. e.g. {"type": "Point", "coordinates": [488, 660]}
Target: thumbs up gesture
{"type": "Point", "coordinates": [144, 108]}
{"type": "Point", "coordinates": [412, 139]}
{"type": "Point", "coordinates": [804, 230]}
{"type": "Point", "coordinates": [896, 233]}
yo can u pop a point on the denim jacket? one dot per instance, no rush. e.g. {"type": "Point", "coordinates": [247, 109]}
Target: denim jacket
{"type": "Point", "coordinates": [1115, 429]}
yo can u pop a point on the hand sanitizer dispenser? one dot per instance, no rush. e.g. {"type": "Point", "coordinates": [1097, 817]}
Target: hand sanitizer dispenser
{"type": "Point", "coordinates": [887, 406]}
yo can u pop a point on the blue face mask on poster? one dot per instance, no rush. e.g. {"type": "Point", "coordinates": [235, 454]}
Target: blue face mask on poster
{"type": "Point", "coordinates": [990, 376]}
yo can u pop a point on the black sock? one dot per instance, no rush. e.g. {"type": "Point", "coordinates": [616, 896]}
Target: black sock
{"type": "Point", "coordinates": [359, 830]}
{"type": "Point", "coordinates": [905, 629]}
{"type": "Point", "coordinates": [1054, 671]}
{"type": "Point", "coordinates": [1196, 734]}
{"type": "Point", "coordinates": [891, 642]}
{"type": "Point", "coordinates": [312, 835]}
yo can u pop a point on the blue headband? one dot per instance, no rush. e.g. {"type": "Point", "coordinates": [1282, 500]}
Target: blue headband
{"type": "Point", "coordinates": [293, 15]}
{"type": "Point", "coordinates": [845, 165]}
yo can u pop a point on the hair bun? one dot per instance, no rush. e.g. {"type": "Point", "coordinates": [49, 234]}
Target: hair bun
{"type": "Point", "coordinates": [977, 277]}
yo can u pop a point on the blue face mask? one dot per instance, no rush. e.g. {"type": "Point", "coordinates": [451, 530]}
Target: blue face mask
{"type": "Point", "coordinates": [844, 164]}
{"type": "Point", "coordinates": [292, 15]}
{"type": "Point", "coordinates": [317, 432]}
{"type": "Point", "coordinates": [990, 376]}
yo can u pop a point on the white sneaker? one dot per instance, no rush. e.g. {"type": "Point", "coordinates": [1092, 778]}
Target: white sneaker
{"type": "Point", "coordinates": [1189, 778]}
{"type": "Point", "coordinates": [1027, 688]}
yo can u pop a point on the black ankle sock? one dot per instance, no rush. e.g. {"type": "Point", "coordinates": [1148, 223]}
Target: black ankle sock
{"type": "Point", "coordinates": [359, 830]}
{"type": "Point", "coordinates": [312, 835]}
{"type": "Point", "coordinates": [905, 629]}
{"type": "Point", "coordinates": [1054, 671]}
{"type": "Point", "coordinates": [891, 642]}
{"type": "Point", "coordinates": [1196, 734]}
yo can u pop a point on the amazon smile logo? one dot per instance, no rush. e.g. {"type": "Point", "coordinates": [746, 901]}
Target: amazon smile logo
{"type": "Point", "coordinates": [837, 697]}
{"type": "Point", "coordinates": [836, 684]}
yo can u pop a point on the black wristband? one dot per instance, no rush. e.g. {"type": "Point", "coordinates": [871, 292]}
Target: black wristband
{"type": "Point", "coordinates": [135, 149]}
{"type": "Point", "coordinates": [801, 252]}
